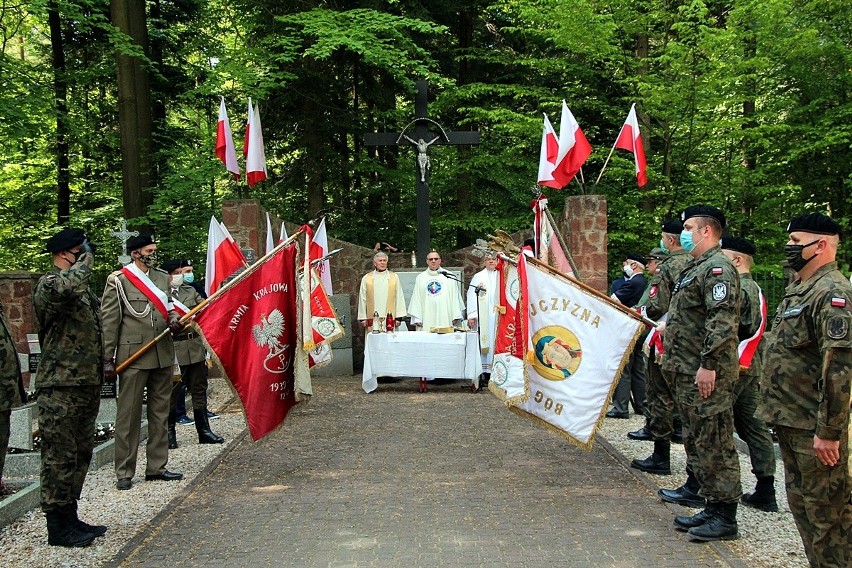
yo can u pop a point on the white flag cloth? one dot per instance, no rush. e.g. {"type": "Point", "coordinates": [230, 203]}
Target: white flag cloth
{"type": "Point", "coordinates": [507, 371]}
{"type": "Point", "coordinates": [577, 345]}
{"type": "Point", "coordinates": [324, 268]}
{"type": "Point", "coordinates": [270, 242]}
{"type": "Point", "coordinates": [547, 155]}
{"type": "Point", "coordinates": [225, 142]}
{"type": "Point", "coordinates": [283, 234]}
{"type": "Point", "coordinates": [224, 257]}
{"type": "Point", "coordinates": [254, 151]}
{"type": "Point", "coordinates": [547, 242]}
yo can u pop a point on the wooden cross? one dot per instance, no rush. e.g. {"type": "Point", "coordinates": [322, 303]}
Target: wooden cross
{"type": "Point", "coordinates": [124, 235]}
{"type": "Point", "coordinates": [421, 139]}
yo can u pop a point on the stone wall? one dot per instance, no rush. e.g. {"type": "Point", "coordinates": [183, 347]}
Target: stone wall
{"type": "Point", "coordinates": [16, 295]}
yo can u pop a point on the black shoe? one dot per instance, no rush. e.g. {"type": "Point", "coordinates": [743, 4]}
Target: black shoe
{"type": "Point", "coordinates": [164, 475]}
{"type": "Point", "coordinates": [683, 495]}
{"type": "Point", "coordinates": [659, 462]}
{"type": "Point", "coordinates": [617, 414]}
{"type": "Point", "coordinates": [722, 525]}
{"type": "Point", "coordinates": [82, 526]}
{"type": "Point", "coordinates": [642, 434]}
{"type": "Point", "coordinates": [763, 497]}
{"type": "Point", "coordinates": [202, 426]}
{"type": "Point", "coordinates": [124, 483]}
{"type": "Point", "coordinates": [684, 522]}
{"type": "Point", "coordinates": [60, 532]}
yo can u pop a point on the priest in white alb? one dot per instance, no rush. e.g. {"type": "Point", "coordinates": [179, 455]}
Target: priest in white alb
{"type": "Point", "coordinates": [482, 297]}
{"type": "Point", "coordinates": [435, 301]}
{"type": "Point", "coordinates": [380, 292]}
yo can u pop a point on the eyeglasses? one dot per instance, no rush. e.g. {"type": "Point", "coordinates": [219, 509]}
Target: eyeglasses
{"type": "Point", "coordinates": [431, 259]}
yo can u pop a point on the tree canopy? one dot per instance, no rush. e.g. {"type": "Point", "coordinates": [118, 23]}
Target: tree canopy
{"type": "Point", "coordinates": [744, 105]}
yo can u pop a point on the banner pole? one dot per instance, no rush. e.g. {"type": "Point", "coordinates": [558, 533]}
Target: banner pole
{"type": "Point", "coordinates": [562, 241]}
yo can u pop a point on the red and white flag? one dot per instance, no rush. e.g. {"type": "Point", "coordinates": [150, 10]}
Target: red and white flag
{"type": "Point", "coordinates": [225, 142]}
{"type": "Point", "coordinates": [252, 329]}
{"type": "Point", "coordinates": [748, 347]}
{"type": "Point", "coordinates": [630, 139]}
{"type": "Point", "coordinates": [547, 156]}
{"type": "Point", "coordinates": [576, 346]}
{"type": "Point", "coordinates": [574, 149]}
{"type": "Point", "coordinates": [319, 248]}
{"type": "Point", "coordinates": [224, 257]}
{"type": "Point", "coordinates": [270, 241]}
{"type": "Point", "coordinates": [253, 150]}
{"type": "Point", "coordinates": [546, 241]}
{"type": "Point", "coordinates": [325, 326]}
{"type": "Point", "coordinates": [507, 371]}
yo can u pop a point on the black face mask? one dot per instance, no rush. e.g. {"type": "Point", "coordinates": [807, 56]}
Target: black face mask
{"type": "Point", "coordinates": [793, 254]}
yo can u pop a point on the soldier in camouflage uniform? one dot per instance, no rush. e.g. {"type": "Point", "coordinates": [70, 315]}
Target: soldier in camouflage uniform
{"type": "Point", "coordinates": [191, 355]}
{"type": "Point", "coordinates": [749, 425]}
{"type": "Point", "coordinates": [660, 407]}
{"type": "Point", "coordinates": [68, 384]}
{"type": "Point", "coordinates": [807, 388]}
{"type": "Point", "coordinates": [11, 389]}
{"type": "Point", "coordinates": [700, 340]}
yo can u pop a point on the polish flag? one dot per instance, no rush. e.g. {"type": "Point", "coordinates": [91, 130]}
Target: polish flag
{"type": "Point", "coordinates": [574, 149]}
{"type": "Point", "coordinates": [225, 142]}
{"type": "Point", "coordinates": [255, 154]}
{"type": "Point", "coordinates": [224, 257]}
{"type": "Point", "coordinates": [630, 139]}
{"type": "Point", "coordinates": [319, 248]}
{"type": "Point", "coordinates": [547, 156]}
{"type": "Point", "coordinates": [282, 236]}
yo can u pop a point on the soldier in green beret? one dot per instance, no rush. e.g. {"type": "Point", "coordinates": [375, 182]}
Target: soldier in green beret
{"type": "Point", "coordinates": [807, 388]}
{"type": "Point", "coordinates": [68, 384]}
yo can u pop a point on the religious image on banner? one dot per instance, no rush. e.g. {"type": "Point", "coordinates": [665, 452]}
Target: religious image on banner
{"type": "Point", "coordinates": [507, 372]}
{"type": "Point", "coordinates": [325, 326]}
{"type": "Point", "coordinates": [252, 329]}
{"type": "Point", "coordinates": [577, 344]}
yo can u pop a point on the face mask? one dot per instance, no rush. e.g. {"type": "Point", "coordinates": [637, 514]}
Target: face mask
{"type": "Point", "coordinates": [686, 241]}
{"type": "Point", "coordinates": [663, 246]}
{"type": "Point", "coordinates": [189, 278]}
{"type": "Point", "coordinates": [177, 280]}
{"type": "Point", "coordinates": [628, 271]}
{"type": "Point", "coordinates": [793, 254]}
{"type": "Point", "coordinates": [149, 260]}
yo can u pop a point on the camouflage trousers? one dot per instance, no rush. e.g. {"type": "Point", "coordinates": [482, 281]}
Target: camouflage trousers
{"type": "Point", "coordinates": [66, 419]}
{"type": "Point", "coordinates": [820, 498]}
{"type": "Point", "coordinates": [4, 437]}
{"type": "Point", "coordinates": [751, 428]}
{"type": "Point", "coordinates": [708, 429]}
{"type": "Point", "coordinates": [660, 406]}
{"type": "Point", "coordinates": [194, 376]}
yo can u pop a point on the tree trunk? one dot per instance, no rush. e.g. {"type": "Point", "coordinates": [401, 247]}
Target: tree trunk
{"type": "Point", "coordinates": [60, 88]}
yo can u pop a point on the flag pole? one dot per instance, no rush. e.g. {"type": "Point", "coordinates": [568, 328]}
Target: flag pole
{"type": "Point", "coordinates": [206, 301]}
{"type": "Point", "coordinates": [561, 241]}
{"type": "Point", "coordinates": [618, 305]}
{"type": "Point", "coordinates": [607, 160]}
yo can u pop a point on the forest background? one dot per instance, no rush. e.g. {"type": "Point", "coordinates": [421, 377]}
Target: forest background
{"type": "Point", "coordinates": [744, 105]}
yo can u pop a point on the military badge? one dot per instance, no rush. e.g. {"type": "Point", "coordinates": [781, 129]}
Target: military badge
{"type": "Point", "coordinates": [720, 291]}
{"type": "Point", "coordinates": [653, 292]}
{"type": "Point", "coordinates": [838, 327]}
{"type": "Point", "coordinates": [717, 271]}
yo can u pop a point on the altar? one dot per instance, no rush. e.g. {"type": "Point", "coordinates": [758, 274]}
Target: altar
{"type": "Point", "coordinates": [421, 354]}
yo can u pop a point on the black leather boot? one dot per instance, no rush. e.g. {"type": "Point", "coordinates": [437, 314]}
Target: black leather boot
{"type": "Point", "coordinates": [96, 530]}
{"type": "Point", "coordinates": [763, 497]}
{"type": "Point", "coordinates": [60, 531]}
{"type": "Point", "coordinates": [172, 434]}
{"type": "Point", "coordinates": [642, 434]}
{"type": "Point", "coordinates": [686, 495]}
{"type": "Point", "coordinates": [721, 526]}
{"type": "Point", "coordinates": [659, 462]}
{"type": "Point", "coordinates": [202, 425]}
{"type": "Point", "coordinates": [685, 522]}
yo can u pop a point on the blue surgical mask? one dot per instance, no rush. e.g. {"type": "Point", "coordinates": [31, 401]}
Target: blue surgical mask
{"type": "Point", "coordinates": [663, 246]}
{"type": "Point", "coordinates": [686, 241]}
{"type": "Point", "coordinates": [189, 278]}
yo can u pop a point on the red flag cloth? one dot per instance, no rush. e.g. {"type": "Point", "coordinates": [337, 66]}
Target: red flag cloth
{"type": "Point", "coordinates": [251, 328]}
{"type": "Point", "coordinates": [225, 142]}
{"type": "Point", "coordinates": [630, 139]}
{"type": "Point", "coordinates": [574, 149]}
{"type": "Point", "coordinates": [547, 156]}
{"type": "Point", "coordinates": [319, 247]}
{"type": "Point", "coordinates": [224, 257]}
{"type": "Point", "coordinates": [748, 347]}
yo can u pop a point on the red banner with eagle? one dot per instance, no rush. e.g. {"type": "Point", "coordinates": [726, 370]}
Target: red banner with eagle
{"type": "Point", "coordinates": [252, 330]}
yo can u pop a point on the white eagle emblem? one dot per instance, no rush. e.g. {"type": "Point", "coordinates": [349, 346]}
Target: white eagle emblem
{"type": "Point", "coordinates": [268, 334]}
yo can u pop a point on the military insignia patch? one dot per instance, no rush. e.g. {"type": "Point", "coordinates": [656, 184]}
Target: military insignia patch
{"type": "Point", "coordinates": [653, 292]}
{"type": "Point", "coordinates": [838, 302]}
{"type": "Point", "coordinates": [720, 291]}
{"type": "Point", "coordinates": [838, 327]}
{"type": "Point", "coordinates": [717, 271]}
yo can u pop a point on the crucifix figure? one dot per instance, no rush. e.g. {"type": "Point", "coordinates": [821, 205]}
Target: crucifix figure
{"type": "Point", "coordinates": [423, 164]}
{"type": "Point", "coordinates": [124, 235]}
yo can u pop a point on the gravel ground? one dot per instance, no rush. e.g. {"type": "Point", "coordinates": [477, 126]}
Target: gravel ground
{"type": "Point", "coordinates": [767, 540]}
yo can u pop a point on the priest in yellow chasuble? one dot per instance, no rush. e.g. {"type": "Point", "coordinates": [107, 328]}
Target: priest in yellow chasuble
{"type": "Point", "coordinates": [380, 292]}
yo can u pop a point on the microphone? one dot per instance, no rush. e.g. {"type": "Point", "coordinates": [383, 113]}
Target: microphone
{"type": "Point", "coordinates": [445, 272]}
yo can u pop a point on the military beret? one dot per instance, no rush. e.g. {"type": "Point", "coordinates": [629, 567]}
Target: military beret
{"type": "Point", "coordinates": [657, 254]}
{"type": "Point", "coordinates": [703, 211]}
{"type": "Point", "coordinates": [637, 258]}
{"type": "Point", "coordinates": [673, 227]}
{"type": "Point", "coordinates": [738, 244]}
{"type": "Point", "coordinates": [65, 239]}
{"type": "Point", "coordinates": [174, 264]}
{"type": "Point", "coordinates": [814, 223]}
{"type": "Point", "coordinates": [136, 243]}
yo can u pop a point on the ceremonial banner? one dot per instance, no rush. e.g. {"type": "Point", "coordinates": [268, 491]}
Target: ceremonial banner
{"type": "Point", "coordinates": [319, 248]}
{"type": "Point", "coordinates": [507, 372]}
{"type": "Point", "coordinates": [252, 330]}
{"type": "Point", "coordinates": [577, 345]}
{"type": "Point", "coordinates": [325, 327]}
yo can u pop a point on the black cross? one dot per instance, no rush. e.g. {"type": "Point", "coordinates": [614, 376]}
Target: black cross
{"type": "Point", "coordinates": [421, 139]}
